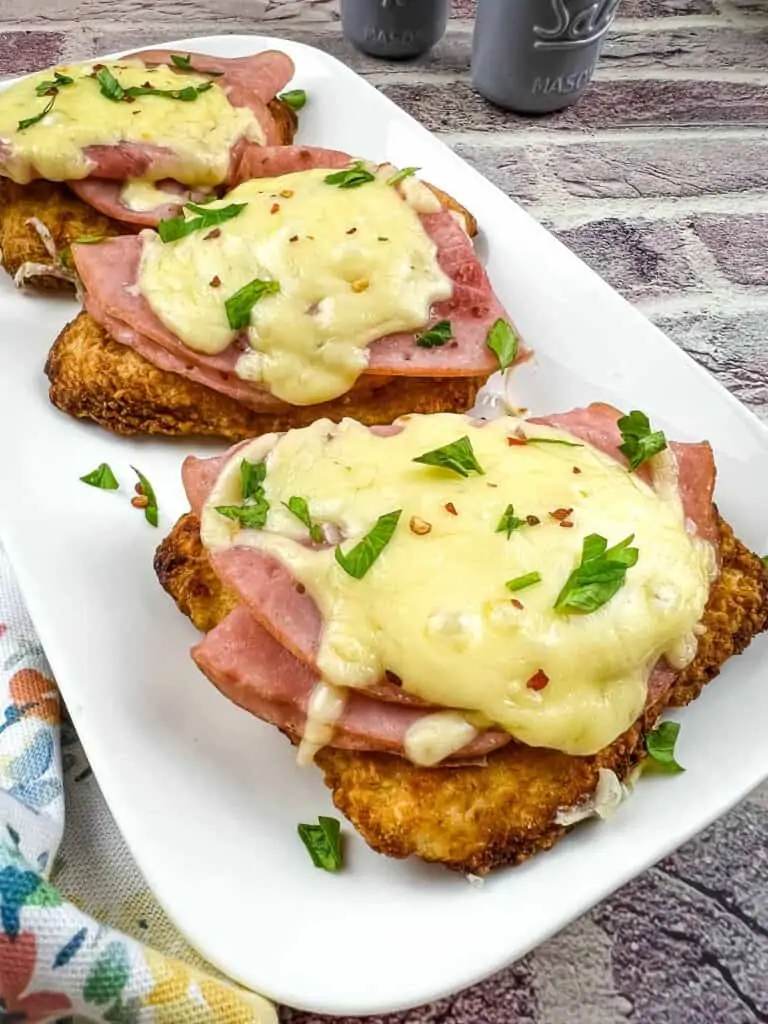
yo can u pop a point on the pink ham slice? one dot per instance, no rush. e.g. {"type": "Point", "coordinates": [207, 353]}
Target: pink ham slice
{"type": "Point", "coordinates": [248, 161]}
{"type": "Point", "coordinates": [267, 588]}
{"type": "Point", "coordinates": [109, 272]}
{"type": "Point", "coordinates": [254, 671]}
{"type": "Point", "coordinates": [597, 424]}
{"type": "Point", "coordinates": [248, 81]}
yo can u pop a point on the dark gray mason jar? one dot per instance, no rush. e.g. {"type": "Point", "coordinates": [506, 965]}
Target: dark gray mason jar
{"type": "Point", "coordinates": [396, 29]}
{"type": "Point", "coordinates": [536, 56]}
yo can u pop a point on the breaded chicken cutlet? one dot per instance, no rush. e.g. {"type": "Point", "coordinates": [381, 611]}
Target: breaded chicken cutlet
{"type": "Point", "coordinates": [477, 817]}
{"type": "Point", "coordinates": [29, 212]}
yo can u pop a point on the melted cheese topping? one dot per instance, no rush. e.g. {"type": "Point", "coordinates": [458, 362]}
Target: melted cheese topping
{"type": "Point", "coordinates": [198, 133]}
{"type": "Point", "coordinates": [353, 265]}
{"type": "Point", "coordinates": [434, 608]}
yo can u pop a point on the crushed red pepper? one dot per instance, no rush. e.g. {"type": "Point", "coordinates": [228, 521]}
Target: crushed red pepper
{"type": "Point", "coordinates": [212, 234]}
{"type": "Point", "coordinates": [532, 520]}
{"type": "Point", "coordinates": [516, 603]}
{"type": "Point", "coordinates": [275, 208]}
{"type": "Point", "coordinates": [561, 513]}
{"type": "Point", "coordinates": [576, 469]}
{"type": "Point", "coordinates": [538, 680]}
{"type": "Point", "coordinates": [450, 507]}
{"type": "Point", "coordinates": [215, 282]}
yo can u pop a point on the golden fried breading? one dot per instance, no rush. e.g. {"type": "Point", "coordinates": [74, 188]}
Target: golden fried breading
{"type": "Point", "coordinates": [67, 217]}
{"type": "Point", "coordinates": [478, 817]}
{"type": "Point", "coordinates": [64, 215]}
{"type": "Point", "coordinates": [93, 377]}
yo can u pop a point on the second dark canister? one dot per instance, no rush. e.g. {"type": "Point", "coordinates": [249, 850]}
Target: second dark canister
{"type": "Point", "coordinates": [537, 56]}
{"type": "Point", "coordinates": [396, 29]}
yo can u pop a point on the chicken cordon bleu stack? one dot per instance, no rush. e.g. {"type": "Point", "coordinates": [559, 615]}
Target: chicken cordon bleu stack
{"type": "Point", "coordinates": [469, 626]}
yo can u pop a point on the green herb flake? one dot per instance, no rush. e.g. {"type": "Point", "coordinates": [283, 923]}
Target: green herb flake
{"type": "Point", "coordinates": [112, 90]}
{"type": "Point", "coordinates": [764, 560]}
{"type": "Point", "coordinates": [58, 81]}
{"type": "Point", "coordinates": [239, 305]}
{"type": "Point", "coordinates": [323, 841]}
{"type": "Point", "coordinates": [178, 227]}
{"type": "Point", "coordinates": [150, 510]}
{"type": "Point", "coordinates": [361, 557]}
{"type": "Point", "coordinates": [598, 577]}
{"type": "Point", "coordinates": [109, 85]}
{"type": "Point", "coordinates": [436, 336]}
{"type": "Point", "coordinates": [102, 477]}
{"type": "Point", "coordinates": [509, 522]}
{"type": "Point", "coordinates": [253, 512]}
{"type": "Point", "coordinates": [294, 98]}
{"type": "Point", "coordinates": [253, 517]}
{"type": "Point", "coordinates": [351, 177]}
{"type": "Point", "coordinates": [521, 582]}
{"type": "Point", "coordinates": [299, 507]}
{"type": "Point", "coordinates": [503, 342]}
{"type": "Point", "coordinates": [252, 477]}
{"type": "Point", "coordinates": [640, 442]}
{"type": "Point", "coordinates": [553, 440]}
{"type": "Point", "coordinates": [406, 172]}
{"type": "Point", "coordinates": [457, 456]}
{"type": "Point", "coordinates": [185, 64]}
{"type": "Point", "coordinates": [29, 121]}
{"type": "Point", "coordinates": [660, 745]}
{"type": "Point", "coordinates": [88, 239]}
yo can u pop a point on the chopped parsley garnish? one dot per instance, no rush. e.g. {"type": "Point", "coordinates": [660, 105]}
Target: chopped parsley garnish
{"type": "Point", "coordinates": [239, 305]}
{"type": "Point", "coordinates": [253, 512]}
{"type": "Point", "coordinates": [57, 82]}
{"type": "Point", "coordinates": [29, 121]}
{"type": "Point", "coordinates": [185, 64]}
{"type": "Point", "coordinates": [112, 90]}
{"type": "Point", "coordinates": [764, 560]}
{"type": "Point", "coordinates": [521, 582]}
{"type": "Point", "coordinates": [294, 98]}
{"type": "Point", "coordinates": [598, 577]}
{"type": "Point", "coordinates": [509, 522]}
{"type": "Point", "coordinates": [88, 239]}
{"type": "Point", "coordinates": [660, 745]}
{"type": "Point", "coordinates": [402, 175]}
{"type": "Point", "coordinates": [150, 509]}
{"type": "Point", "coordinates": [102, 477]}
{"type": "Point", "coordinates": [457, 456]}
{"type": "Point", "coordinates": [351, 177]}
{"type": "Point", "coordinates": [553, 440]}
{"type": "Point", "coordinates": [323, 841]}
{"type": "Point", "coordinates": [436, 336]}
{"type": "Point", "coordinates": [361, 557]}
{"type": "Point", "coordinates": [177, 227]}
{"type": "Point", "coordinates": [503, 342]}
{"type": "Point", "coordinates": [300, 509]}
{"type": "Point", "coordinates": [640, 442]}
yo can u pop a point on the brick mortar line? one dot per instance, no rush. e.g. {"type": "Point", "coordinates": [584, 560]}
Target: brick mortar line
{"type": "Point", "coordinates": [719, 301]}
{"type": "Point", "coordinates": [567, 211]}
{"type": "Point", "coordinates": [604, 73]}
{"type": "Point", "coordinates": [540, 137]}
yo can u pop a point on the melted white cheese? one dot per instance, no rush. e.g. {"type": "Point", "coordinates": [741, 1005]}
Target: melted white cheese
{"type": "Point", "coordinates": [434, 608]}
{"type": "Point", "coordinates": [198, 133]}
{"type": "Point", "coordinates": [352, 264]}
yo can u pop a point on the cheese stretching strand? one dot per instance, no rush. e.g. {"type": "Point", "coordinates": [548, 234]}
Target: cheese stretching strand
{"type": "Point", "coordinates": [348, 265]}
{"type": "Point", "coordinates": [435, 608]}
{"type": "Point", "coordinates": [198, 133]}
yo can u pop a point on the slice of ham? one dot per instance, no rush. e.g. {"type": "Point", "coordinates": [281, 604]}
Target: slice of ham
{"type": "Point", "coordinates": [597, 424]}
{"type": "Point", "coordinates": [109, 272]}
{"type": "Point", "coordinates": [254, 671]}
{"type": "Point", "coordinates": [248, 161]}
{"type": "Point", "coordinates": [248, 82]}
{"type": "Point", "coordinates": [267, 588]}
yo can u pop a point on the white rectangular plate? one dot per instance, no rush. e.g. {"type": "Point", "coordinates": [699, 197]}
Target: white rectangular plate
{"type": "Point", "coordinates": [207, 797]}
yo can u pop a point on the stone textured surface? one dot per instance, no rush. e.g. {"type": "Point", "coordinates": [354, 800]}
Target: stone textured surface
{"type": "Point", "coordinates": [659, 180]}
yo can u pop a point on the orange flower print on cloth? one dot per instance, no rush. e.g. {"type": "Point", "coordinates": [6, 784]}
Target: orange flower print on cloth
{"type": "Point", "coordinates": [17, 964]}
{"type": "Point", "coordinates": [35, 695]}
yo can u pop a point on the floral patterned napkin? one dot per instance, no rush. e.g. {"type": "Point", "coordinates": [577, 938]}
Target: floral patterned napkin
{"type": "Point", "coordinates": [56, 960]}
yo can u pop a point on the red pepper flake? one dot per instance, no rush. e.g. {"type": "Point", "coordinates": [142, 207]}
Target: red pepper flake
{"type": "Point", "coordinates": [275, 208]}
{"type": "Point", "coordinates": [561, 513]}
{"type": "Point", "coordinates": [148, 85]}
{"type": "Point", "coordinates": [98, 67]}
{"type": "Point", "coordinates": [129, 99]}
{"type": "Point", "coordinates": [565, 522]}
{"type": "Point", "coordinates": [53, 91]}
{"type": "Point", "coordinates": [212, 234]}
{"type": "Point", "coordinates": [515, 441]}
{"type": "Point", "coordinates": [516, 603]}
{"type": "Point", "coordinates": [393, 678]}
{"type": "Point", "coordinates": [352, 231]}
{"type": "Point", "coordinates": [576, 469]}
{"type": "Point", "coordinates": [538, 680]}
{"type": "Point", "coordinates": [532, 520]}
{"type": "Point", "coordinates": [450, 507]}
{"type": "Point", "coordinates": [293, 238]}
{"type": "Point", "coordinates": [215, 282]}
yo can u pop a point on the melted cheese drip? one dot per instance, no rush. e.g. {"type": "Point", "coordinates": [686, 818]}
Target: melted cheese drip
{"type": "Point", "coordinates": [360, 266]}
{"type": "Point", "coordinates": [434, 737]}
{"type": "Point", "coordinates": [325, 708]}
{"type": "Point", "coordinates": [434, 608]}
{"type": "Point", "coordinates": [198, 133]}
